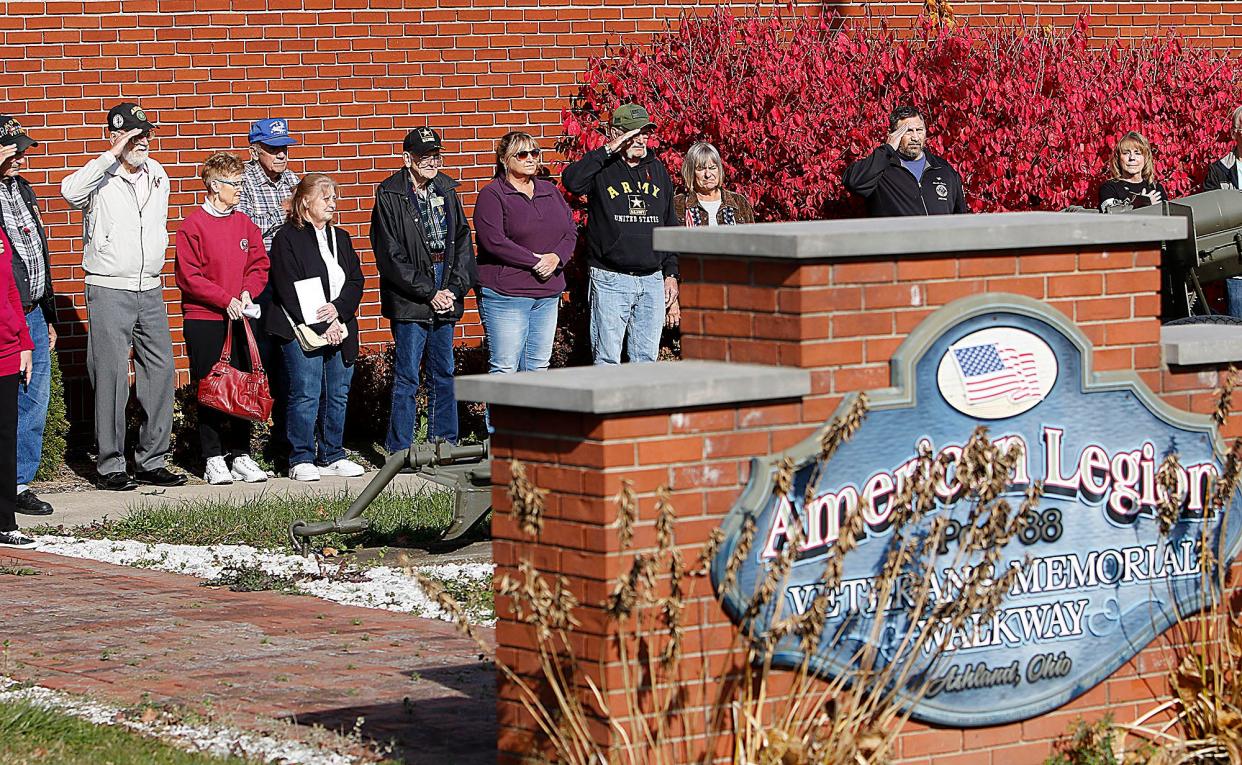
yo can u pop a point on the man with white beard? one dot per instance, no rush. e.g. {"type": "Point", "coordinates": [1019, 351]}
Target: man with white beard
{"type": "Point", "coordinates": [124, 195]}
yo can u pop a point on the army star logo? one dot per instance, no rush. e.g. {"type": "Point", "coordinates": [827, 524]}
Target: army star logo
{"type": "Point", "coordinates": [427, 134]}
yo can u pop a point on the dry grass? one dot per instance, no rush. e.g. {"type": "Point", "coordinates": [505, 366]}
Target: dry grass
{"type": "Point", "coordinates": [668, 695]}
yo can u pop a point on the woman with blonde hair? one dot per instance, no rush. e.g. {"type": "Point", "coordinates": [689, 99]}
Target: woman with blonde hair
{"type": "Point", "coordinates": [314, 262]}
{"type": "Point", "coordinates": [220, 266]}
{"type": "Point", "coordinates": [1132, 175]}
{"type": "Point", "coordinates": [526, 234]}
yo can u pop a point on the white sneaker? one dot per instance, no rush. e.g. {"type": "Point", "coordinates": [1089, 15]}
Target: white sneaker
{"type": "Point", "coordinates": [304, 472]}
{"type": "Point", "coordinates": [344, 468]}
{"type": "Point", "coordinates": [246, 469]}
{"type": "Point", "coordinates": [217, 472]}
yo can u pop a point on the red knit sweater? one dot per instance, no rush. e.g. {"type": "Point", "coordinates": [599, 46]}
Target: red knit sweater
{"type": "Point", "coordinates": [14, 336]}
{"type": "Point", "coordinates": [218, 258]}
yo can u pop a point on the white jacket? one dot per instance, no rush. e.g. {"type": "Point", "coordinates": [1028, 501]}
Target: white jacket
{"type": "Point", "coordinates": [125, 245]}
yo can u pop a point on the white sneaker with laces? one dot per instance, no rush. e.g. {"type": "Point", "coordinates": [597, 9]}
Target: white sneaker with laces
{"type": "Point", "coordinates": [217, 472]}
{"type": "Point", "coordinates": [344, 468]}
{"type": "Point", "coordinates": [246, 469]}
{"type": "Point", "coordinates": [17, 540]}
{"type": "Point", "coordinates": [304, 472]}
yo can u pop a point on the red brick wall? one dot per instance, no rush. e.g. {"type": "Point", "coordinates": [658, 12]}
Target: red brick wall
{"type": "Point", "coordinates": [353, 78]}
{"type": "Point", "coordinates": [841, 321]}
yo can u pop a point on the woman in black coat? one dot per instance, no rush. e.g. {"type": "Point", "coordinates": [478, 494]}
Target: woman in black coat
{"type": "Point", "coordinates": [314, 261]}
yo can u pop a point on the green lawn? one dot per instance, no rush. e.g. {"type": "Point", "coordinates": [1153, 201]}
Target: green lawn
{"type": "Point", "coordinates": [31, 734]}
{"type": "Point", "coordinates": [399, 518]}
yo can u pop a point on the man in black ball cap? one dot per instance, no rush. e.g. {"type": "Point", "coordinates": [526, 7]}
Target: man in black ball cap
{"type": "Point", "coordinates": [421, 239]}
{"type": "Point", "coordinates": [124, 196]}
{"type": "Point", "coordinates": [19, 217]}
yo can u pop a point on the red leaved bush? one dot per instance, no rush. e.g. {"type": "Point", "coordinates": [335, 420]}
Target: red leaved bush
{"type": "Point", "coordinates": [1028, 116]}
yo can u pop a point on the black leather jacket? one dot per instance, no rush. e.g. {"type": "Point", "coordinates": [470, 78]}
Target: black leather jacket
{"type": "Point", "coordinates": [407, 275]}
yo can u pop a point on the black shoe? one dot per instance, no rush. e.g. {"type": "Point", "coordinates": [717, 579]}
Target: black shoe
{"type": "Point", "coordinates": [16, 539]}
{"type": "Point", "coordinates": [28, 503]}
{"type": "Point", "coordinates": [119, 481]}
{"type": "Point", "coordinates": [160, 477]}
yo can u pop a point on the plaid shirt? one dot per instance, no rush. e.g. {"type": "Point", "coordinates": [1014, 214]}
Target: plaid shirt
{"type": "Point", "coordinates": [434, 217]}
{"type": "Point", "coordinates": [19, 220]}
{"type": "Point", "coordinates": [261, 199]}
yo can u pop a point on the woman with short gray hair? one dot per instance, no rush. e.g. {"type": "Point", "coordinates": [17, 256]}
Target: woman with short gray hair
{"type": "Point", "coordinates": [706, 202]}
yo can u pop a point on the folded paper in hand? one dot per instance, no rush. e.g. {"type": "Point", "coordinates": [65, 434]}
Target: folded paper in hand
{"type": "Point", "coordinates": [310, 298]}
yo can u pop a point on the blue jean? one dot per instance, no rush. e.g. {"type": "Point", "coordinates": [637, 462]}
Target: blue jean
{"type": "Point", "coordinates": [415, 340]}
{"type": "Point", "coordinates": [32, 401]}
{"type": "Point", "coordinates": [1233, 288]}
{"type": "Point", "coordinates": [520, 331]}
{"type": "Point", "coordinates": [621, 302]}
{"type": "Point", "coordinates": [318, 393]}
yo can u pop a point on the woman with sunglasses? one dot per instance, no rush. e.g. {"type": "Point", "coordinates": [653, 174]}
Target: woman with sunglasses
{"type": "Point", "coordinates": [526, 235]}
{"type": "Point", "coordinates": [221, 263]}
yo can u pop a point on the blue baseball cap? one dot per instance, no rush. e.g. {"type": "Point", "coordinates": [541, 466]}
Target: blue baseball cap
{"type": "Point", "coordinates": [273, 132]}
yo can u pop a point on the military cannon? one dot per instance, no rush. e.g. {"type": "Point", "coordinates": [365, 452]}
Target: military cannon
{"type": "Point", "coordinates": [1212, 252]}
{"type": "Point", "coordinates": [464, 470]}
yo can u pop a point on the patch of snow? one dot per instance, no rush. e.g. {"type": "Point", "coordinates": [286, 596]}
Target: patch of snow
{"type": "Point", "coordinates": [384, 587]}
{"type": "Point", "coordinates": [211, 739]}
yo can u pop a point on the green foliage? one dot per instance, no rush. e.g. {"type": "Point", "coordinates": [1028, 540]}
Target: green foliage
{"type": "Point", "coordinates": [30, 733]}
{"type": "Point", "coordinates": [399, 517]}
{"type": "Point", "coordinates": [56, 430]}
{"type": "Point", "coordinates": [476, 596]}
{"type": "Point", "coordinates": [1086, 744]}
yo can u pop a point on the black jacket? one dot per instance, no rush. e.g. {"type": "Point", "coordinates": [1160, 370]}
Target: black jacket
{"type": "Point", "coordinates": [20, 276]}
{"type": "Point", "coordinates": [1115, 192]}
{"type": "Point", "coordinates": [624, 205]}
{"type": "Point", "coordinates": [889, 189]}
{"type": "Point", "coordinates": [295, 256]}
{"type": "Point", "coordinates": [407, 275]}
{"type": "Point", "coordinates": [1224, 174]}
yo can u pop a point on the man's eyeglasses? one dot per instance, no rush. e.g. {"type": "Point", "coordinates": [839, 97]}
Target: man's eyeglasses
{"type": "Point", "coordinates": [227, 182]}
{"type": "Point", "coordinates": [429, 160]}
{"type": "Point", "coordinates": [273, 150]}
{"type": "Point", "coordinates": [528, 153]}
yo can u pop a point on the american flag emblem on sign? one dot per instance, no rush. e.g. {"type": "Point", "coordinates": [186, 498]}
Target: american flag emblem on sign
{"type": "Point", "coordinates": [991, 370]}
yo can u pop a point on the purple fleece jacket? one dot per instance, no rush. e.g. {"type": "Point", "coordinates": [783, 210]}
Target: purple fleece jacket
{"type": "Point", "coordinates": [510, 229]}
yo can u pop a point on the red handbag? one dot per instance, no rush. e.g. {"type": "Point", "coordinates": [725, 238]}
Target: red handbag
{"type": "Point", "coordinates": [242, 394]}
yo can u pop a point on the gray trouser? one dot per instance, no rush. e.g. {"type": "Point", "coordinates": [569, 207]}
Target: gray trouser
{"type": "Point", "coordinates": [119, 320]}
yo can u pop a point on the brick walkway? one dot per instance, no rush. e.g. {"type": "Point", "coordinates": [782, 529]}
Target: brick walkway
{"type": "Point", "coordinates": [129, 635]}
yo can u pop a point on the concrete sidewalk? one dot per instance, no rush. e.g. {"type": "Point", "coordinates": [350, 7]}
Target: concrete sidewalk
{"type": "Point", "coordinates": [80, 506]}
{"type": "Point", "coordinates": [131, 636]}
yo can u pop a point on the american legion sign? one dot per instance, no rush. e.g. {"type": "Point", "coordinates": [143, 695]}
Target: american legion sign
{"type": "Point", "coordinates": [1096, 579]}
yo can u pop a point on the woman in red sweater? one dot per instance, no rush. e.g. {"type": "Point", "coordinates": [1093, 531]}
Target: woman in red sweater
{"type": "Point", "coordinates": [221, 263]}
{"type": "Point", "coordinates": [15, 367]}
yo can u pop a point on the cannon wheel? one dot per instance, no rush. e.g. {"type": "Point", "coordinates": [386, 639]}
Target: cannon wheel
{"type": "Point", "coordinates": [1215, 318]}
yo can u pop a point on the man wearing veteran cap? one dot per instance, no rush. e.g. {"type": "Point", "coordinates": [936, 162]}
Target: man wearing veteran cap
{"type": "Point", "coordinates": [19, 217]}
{"type": "Point", "coordinates": [267, 187]}
{"type": "Point", "coordinates": [124, 196]}
{"type": "Point", "coordinates": [268, 183]}
{"type": "Point", "coordinates": [629, 193]}
{"type": "Point", "coordinates": [421, 239]}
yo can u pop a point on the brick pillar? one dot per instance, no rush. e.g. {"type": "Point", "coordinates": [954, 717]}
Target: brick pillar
{"type": "Point", "coordinates": [824, 305]}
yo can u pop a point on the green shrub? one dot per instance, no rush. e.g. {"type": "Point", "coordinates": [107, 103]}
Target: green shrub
{"type": "Point", "coordinates": [56, 432]}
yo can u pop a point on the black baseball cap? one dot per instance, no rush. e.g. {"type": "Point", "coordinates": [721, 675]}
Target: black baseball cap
{"type": "Point", "coordinates": [13, 134]}
{"type": "Point", "coordinates": [422, 140]}
{"type": "Point", "coordinates": [128, 116]}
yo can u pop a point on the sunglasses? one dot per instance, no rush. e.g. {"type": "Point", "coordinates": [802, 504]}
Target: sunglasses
{"type": "Point", "coordinates": [527, 153]}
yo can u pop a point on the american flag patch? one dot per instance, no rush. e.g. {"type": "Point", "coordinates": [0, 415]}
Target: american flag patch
{"type": "Point", "coordinates": [991, 370]}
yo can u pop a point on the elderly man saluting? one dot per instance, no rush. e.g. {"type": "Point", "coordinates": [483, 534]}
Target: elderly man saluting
{"type": "Point", "coordinates": [629, 193]}
{"type": "Point", "coordinates": [900, 177]}
{"type": "Point", "coordinates": [124, 195]}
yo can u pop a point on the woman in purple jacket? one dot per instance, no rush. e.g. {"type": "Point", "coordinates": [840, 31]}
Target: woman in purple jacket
{"type": "Point", "coordinates": [525, 235]}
